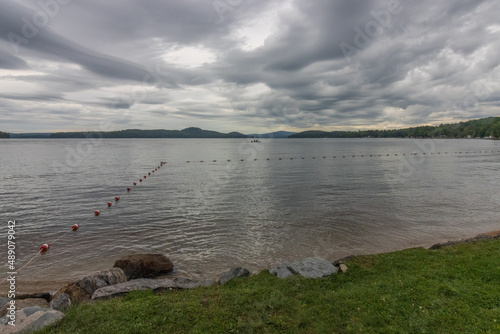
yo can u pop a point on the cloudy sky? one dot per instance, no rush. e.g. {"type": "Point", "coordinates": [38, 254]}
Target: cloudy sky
{"type": "Point", "coordinates": [246, 65]}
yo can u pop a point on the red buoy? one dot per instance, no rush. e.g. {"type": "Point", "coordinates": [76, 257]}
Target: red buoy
{"type": "Point", "coordinates": [75, 227]}
{"type": "Point", "coordinates": [156, 168]}
{"type": "Point", "coordinates": [135, 184]}
{"type": "Point", "coordinates": [149, 173]}
{"type": "Point", "coordinates": [44, 247]}
{"type": "Point", "coordinates": [117, 198]}
{"type": "Point", "coordinates": [144, 176]}
{"type": "Point", "coordinates": [97, 212]}
{"type": "Point", "coordinates": [128, 188]}
{"type": "Point", "coordinates": [140, 180]}
{"type": "Point", "coordinates": [109, 204]}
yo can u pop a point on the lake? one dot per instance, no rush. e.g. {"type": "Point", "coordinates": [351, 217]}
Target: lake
{"type": "Point", "coordinates": [209, 216]}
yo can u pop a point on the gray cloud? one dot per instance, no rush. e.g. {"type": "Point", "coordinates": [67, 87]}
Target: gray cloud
{"type": "Point", "coordinates": [292, 64]}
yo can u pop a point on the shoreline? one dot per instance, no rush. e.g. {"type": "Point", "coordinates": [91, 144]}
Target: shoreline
{"type": "Point", "coordinates": [490, 235]}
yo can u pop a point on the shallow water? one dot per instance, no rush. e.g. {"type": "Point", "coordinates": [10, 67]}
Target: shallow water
{"type": "Point", "coordinates": [207, 217]}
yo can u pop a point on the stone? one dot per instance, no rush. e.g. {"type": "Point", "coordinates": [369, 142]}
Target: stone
{"type": "Point", "coordinates": [4, 300]}
{"type": "Point", "coordinates": [30, 319]}
{"type": "Point", "coordinates": [148, 284]}
{"type": "Point", "coordinates": [101, 279]}
{"type": "Point", "coordinates": [232, 274]}
{"type": "Point", "coordinates": [281, 270]}
{"type": "Point", "coordinates": [75, 293]}
{"type": "Point", "coordinates": [61, 302]}
{"type": "Point", "coordinates": [144, 265]}
{"type": "Point", "coordinates": [29, 302]}
{"type": "Point", "coordinates": [313, 267]}
{"type": "Point", "coordinates": [342, 268]}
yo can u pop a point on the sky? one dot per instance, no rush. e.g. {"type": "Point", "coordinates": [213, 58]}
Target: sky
{"type": "Point", "coordinates": [246, 65]}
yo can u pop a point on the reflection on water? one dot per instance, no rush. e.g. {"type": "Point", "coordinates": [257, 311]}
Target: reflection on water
{"type": "Point", "coordinates": [210, 216]}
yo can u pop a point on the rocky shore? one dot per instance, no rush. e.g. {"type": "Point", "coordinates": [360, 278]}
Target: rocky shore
{"type": "Point", "coordinates": [35, 311]}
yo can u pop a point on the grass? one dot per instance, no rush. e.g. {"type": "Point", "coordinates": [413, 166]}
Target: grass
{"type": "Point", "coordinates": [455, 289]}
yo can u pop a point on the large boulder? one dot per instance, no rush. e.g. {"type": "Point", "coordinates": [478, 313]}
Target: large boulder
{"type": "Point", "coordinates": [75, 293]}
{"type": "Point", "coordinates": [148, 284]}
{"type": "Point", "coordinates": [313, 267]}
{"type": "Point", "coordinates": [30, 319]}
{"type": "Point", "coordinates": [233, 273]}
{"type": "Point", "coordinates": [28, 302]}
{"type": "Point", "coordinates": [144, 265]}
{"type": "Point", "coordinates": [61, 302]}
{"type": "Point", "coordinates": [101, 279]}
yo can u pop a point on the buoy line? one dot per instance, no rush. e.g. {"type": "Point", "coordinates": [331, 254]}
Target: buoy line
{"type": "Point", "coordinates": [46, 246]}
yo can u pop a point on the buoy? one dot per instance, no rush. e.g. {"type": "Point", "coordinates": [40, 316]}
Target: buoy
{"type": "Point", "coordinates": [291, 158]}
{"type": "Point", "coordinates": [44, 247]}
{"type": "Point", "coordinates": [242, 159]}
{"type": "Point", "coordinates": [75, 227]}
{"type": "Point", "coordinates": [144, 177]}
{"type": "Point", "coordinates": [149, 173]}
{"type": "Point", "coordinates": [302, 157]}
{"type": "Point", "coordinates": [135, 184]}
{"type": "Point", "coordinates": [140, 180]}
{"type": "Point", "coordinates": [214, 161]}
{"type": "Point", "coordinates": [324, 157]}
{"type": "Point", "coordinates": [186, 162]}
{"type": "Point", "coordinates": [156, 168]}
{"type": "Point", "coordinates": [229, 160]}
{"type": "Point", "coordinates": [128, 188]}
{"type": "Point", "coordinates": [97, 212]}
{"type": "Point", "coordinates": [117, 198]}
{"type": "Point", "coordinates": [109, 204]}
{"type": "Point", "coordinates": [314, 157]}
{"type": "Point", "coordinates": [201, 160]}
{"type": "Point", "coordinates": [334, 156]}
{"type": "Point", "coordinates": [267, 159]}
{"type": "Point", "coordinates": [280, 158]}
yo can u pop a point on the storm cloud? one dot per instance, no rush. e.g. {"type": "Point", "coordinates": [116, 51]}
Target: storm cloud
{"type": "Point", "coordinates": [248, 66]}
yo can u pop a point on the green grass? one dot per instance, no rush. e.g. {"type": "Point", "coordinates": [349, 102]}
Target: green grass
{"type": "Point", "coordinates": [455, 289]}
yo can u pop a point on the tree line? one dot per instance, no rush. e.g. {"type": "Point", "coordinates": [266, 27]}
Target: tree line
{"type": "Point", "coordinates": [484, 127]}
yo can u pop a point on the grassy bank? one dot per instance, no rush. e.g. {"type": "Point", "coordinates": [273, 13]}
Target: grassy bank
{"type": "Point", "coordinates": [455, 289]}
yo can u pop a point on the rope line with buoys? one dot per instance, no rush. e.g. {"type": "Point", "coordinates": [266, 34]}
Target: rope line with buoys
{"type": "Point", "coordinates": [46, 246]}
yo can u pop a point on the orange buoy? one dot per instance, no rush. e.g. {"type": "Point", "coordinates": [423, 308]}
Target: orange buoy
{"type": "Point", "coordinates": [97, 212]}
{"type": "Point", "coordinates": [109, 204]}
{"type": "Point", "coordinates": [75, 227]}
{"type": "Point", "coordinates": [128, 188]}
{"type": "Point", "coordinates": [44, 247]}
{"type": "Point", "coordinates": [117, 198]}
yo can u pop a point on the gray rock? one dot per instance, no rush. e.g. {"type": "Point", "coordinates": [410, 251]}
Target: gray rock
{"type": "Point", "coordinates": [61, 302]}
{"type": "Point", "coordinates": [144, 265]}
{"type": "Point", "coordinates": [20, 304]}
{"type": "Point", "coordinates": [101, 279]}
{"type": "Point", "coordinates": [148, 284]}
{"type": "Point", "coordinates": [3, 301]}
{"type": "Point", "coordinates": [281, 270]}
{"type": "Point", "coordinates": [30, 319]}
{"type": "Point", "coordinates": [233, 273]}
{"type": "Point", "coordinates": [313, 267]}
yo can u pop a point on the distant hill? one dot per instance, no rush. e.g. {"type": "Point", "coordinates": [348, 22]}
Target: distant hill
{"type": "Point", "coordinates": [4, 135]}
{"type": "Point", "coordinates": [277, 134]}
{"type": "Point", "coordinates": [484, 127]}
{"type": "Point", "coordinates": [30, 135]}
{"type": "Point", "coordinates": [135, 133]}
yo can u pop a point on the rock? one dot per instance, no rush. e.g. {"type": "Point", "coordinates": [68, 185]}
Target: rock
{"type": "Point", "coordinates": [144, 265]}
{"type": "Point", "coordinates": [3, 301]}
{"type": "Point", "coordinates": [344, 259]}
{"type": "Point", "coordinates": [30, 319]}
{"type": "Point", "coordinates": [101, 279]}
{"type": "Point", "coordinates": [343, 268]}
{"type": "Point", "coordinates": [61, 302]}
{"type": "Point", "coordinates": [148, 284]}
{"type": "Point", "coordinates": [281, 270]}
{"type": "Point", "coordinates": [29, 302]}
{"type": "Point", "coordinates": [75, 293]}
{"type": "Point", "coordinates": [233, 273]}
{"type": "Point", "coordinates": [313, 267]}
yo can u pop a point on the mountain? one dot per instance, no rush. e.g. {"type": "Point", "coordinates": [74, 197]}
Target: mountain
{"type": "Point", "coordinates": [484, 127]}
{"type": "Point", "coordinates": [277, 134]}
{"type": "Point", "coordinates": [30, 135]}
{"type": "Point", "coordinates": [136, 133]}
